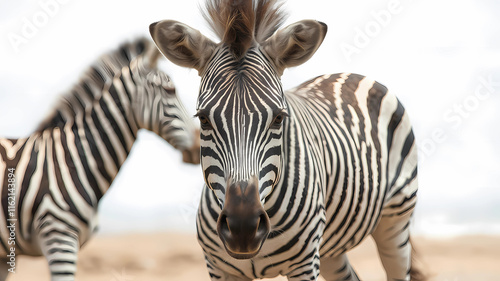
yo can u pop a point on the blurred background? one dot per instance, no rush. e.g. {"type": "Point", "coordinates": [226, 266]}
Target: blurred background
{"type": "Point", "coordinates": [441, 58]}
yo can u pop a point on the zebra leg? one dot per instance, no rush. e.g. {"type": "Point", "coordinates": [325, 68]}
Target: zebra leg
{"type": "Point", "coordinates": [392, 237]}
{"type": "Point", "coordinates": [4, 269]}
{"type": "Point", "coordinates": [337, 268]}
{"type": "Point", "coordinates": [60, 248]}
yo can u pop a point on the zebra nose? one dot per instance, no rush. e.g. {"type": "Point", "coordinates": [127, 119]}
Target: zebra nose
{"type": "Point", "coordinates": [243, 237]}
{"type": "Point", "coordinates": [243, 224]}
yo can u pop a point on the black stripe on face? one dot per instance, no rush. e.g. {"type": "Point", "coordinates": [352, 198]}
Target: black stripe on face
{"type": "Point", "coordinates": [237, 106]}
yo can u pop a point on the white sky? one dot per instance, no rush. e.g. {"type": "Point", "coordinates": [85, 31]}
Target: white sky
{"type": "Point", "coordinates": [432, 54]}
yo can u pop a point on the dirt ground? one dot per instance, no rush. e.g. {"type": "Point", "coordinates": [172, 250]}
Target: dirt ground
{"type": "Point", "coordinates": [171, 256]}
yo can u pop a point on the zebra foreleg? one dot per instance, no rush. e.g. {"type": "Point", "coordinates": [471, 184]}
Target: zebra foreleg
{"type": "Point", "coordinates": [392, 237]}
{"type": "Point", "coordinates": [60, 248]}
{"type": "Point", "coordinates": [4, 269]}
{"type": "Point", "coordinates": [337, 268]}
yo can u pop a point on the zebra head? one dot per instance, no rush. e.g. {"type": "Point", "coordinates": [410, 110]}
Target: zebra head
{"type": "Point", "coordinates": [241, 106]}
{"type": "Point", "coordinates": [159, 109]}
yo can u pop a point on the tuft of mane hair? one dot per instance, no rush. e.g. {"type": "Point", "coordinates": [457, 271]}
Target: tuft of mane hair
{"type": "Point", "coordinates": [242, 23]}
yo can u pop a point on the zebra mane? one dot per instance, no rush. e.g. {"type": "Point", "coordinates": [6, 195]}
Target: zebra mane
{"type": "Point", "coordinates": [100, 74]}
{"type": "Point", "coordinates": [242, 23]}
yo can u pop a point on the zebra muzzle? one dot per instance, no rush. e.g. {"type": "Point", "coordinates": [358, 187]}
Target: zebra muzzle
{"type": "Point", "coordinates": [243, 224]}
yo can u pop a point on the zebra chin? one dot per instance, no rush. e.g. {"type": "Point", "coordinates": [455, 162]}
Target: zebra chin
{"type": "Point", "coordinates": [243, 225]}
{"type": "Point", "coordinates": [242, 256]}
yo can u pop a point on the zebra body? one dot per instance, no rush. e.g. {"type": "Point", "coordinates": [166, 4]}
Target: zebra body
{"type": "Point", "coordinates": [64, 168]}
{"type": "Point", "coordinates": [294, 179]}
{"type": "Point", "coordinates": [353, 155]}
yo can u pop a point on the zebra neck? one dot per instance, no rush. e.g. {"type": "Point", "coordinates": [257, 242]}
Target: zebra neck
{"type": "Point", "coordinates": [101, 127]}
{"type": "Point", "coordinates": [110, 128]}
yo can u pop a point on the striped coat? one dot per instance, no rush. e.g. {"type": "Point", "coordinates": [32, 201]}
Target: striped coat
{"type": "Point", "coordinates": [294, 179]}
{"type": "Point", "coordinates": [349, 163]}
{"type": "Point", "coordinates": [52, 181]}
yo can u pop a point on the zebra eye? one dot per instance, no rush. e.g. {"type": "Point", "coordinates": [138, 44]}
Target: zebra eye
{"type": "Point", "coordinates": [205, 123]}
{"type": "Point", "coordinates": [278, 119]}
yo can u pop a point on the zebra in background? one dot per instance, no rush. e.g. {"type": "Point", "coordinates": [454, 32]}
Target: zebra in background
{"type": "Point", "coordinates": [53, 180]}
{"type": "Point", "coordinates": [295, 179]}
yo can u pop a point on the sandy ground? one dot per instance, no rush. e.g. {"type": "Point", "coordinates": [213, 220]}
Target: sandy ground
{"type": "Point", "coordinates": [169, 256]}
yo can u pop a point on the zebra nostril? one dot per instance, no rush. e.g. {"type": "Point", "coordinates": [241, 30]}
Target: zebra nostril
{"type": "Point", "coordinates": [263, 226]}
{"type": "Point", "coordinates": [227, 225]}
{"type": "Point", "coordinates": [223, 226]}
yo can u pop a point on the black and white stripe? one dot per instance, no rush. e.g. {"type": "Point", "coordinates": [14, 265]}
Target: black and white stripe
{"type": "Point", "coordinates": [349, 170]}
{"type": "Point", "coordinates": [237, 134]}
{"type": "Point", "coordinates": [64, 168]}
{"type": "Point", "coordinates": [334, 160]}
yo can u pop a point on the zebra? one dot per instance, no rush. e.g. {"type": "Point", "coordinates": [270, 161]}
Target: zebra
{"type": "Point", "coordinates": [52, 181]}
{"type": "Point", "coordinates": [294, 179]}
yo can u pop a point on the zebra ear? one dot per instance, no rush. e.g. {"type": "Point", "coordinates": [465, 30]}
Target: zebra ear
{"type": "Point", "coordinates": [181, 44]}
{"type": "Point", "coordinates": [294, 44]}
